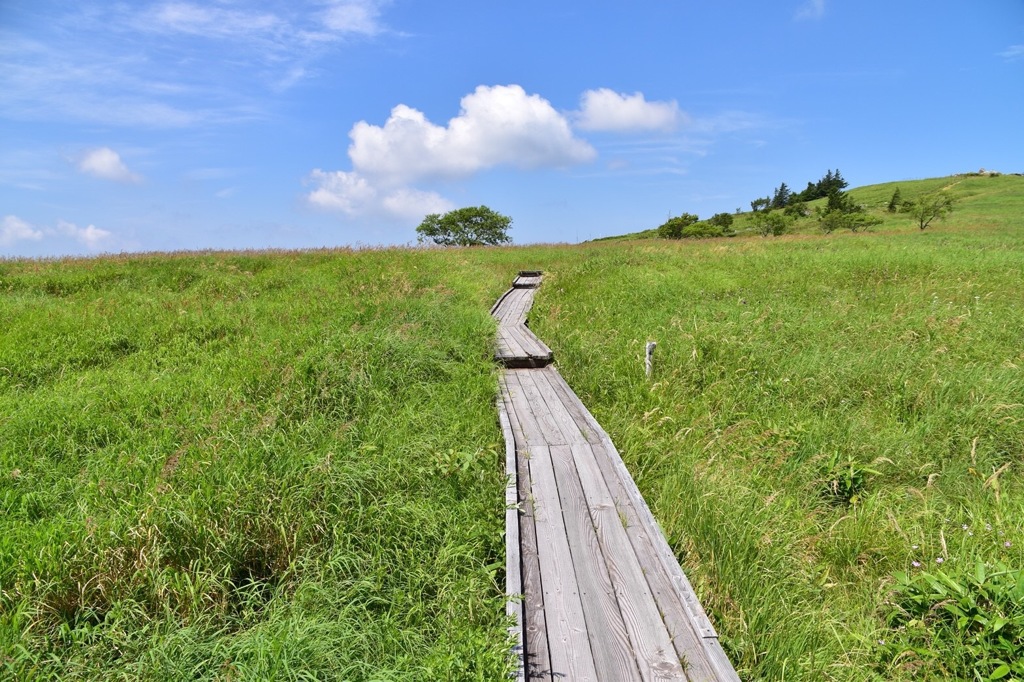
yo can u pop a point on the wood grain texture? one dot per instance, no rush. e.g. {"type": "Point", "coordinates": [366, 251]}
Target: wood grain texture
{"type": "Point", "coordinates": [513, 560]}
{"type": "Point", "coordinates": [536, 656]}
{"type": "Point", "coordinates": [609, 641]}
{"type": "Point", "coordinates": [571, 654]}
{"type": "Point", "coordinates": [653, 647]}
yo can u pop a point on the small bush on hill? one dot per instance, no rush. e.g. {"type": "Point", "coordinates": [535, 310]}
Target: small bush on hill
{"type": "Point", "coordinates": [723, 220]}
{"type": "Point", "coordinates": [705, 230]}
{"type": "Point", "coordinates": [770, 223]}
{"type": "Point", "coordinates": [673, 227]}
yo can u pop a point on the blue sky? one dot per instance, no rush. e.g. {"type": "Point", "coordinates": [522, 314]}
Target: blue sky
{"type": "Point", "coordinates": [227, 124]}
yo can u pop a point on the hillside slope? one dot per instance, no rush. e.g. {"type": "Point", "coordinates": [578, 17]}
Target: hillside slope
{"type": "Point", "coordinates": [984, 201]}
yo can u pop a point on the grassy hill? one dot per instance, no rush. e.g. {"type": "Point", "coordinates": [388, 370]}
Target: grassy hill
{"type": "Point", "coordinates": [287, 465]}
{"type": "Point", "coordinates": [984, 201]}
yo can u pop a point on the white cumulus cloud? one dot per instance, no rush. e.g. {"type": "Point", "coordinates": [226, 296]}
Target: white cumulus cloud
{"type": "Point", "coordinates": [497, 125]}
{"type": "Point", "coordinates": [14, 229]}
{"type": "Point", "coordinates": [105, 163]}
{"type": "Point", "coordinates": [605, 109]}
{"type": "Point", "coordinates": [91, 236]}
{"type": "Point", "coordinates": [354, 195]}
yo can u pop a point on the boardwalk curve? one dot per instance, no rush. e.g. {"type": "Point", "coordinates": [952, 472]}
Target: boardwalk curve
{"type": "Point", "coordinates": [595, 591]}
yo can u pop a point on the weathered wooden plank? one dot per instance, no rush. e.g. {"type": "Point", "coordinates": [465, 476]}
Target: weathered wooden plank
{"type": "Point", "coordinates": [527, 304]}
{"type": "Point", "coordinates": [526, 282]}
{"type": "Point", "coordinates": [617, 590]}
{"type": "Point", "coordinates": [560, 407]}
{"type": "Point", "coordinates": [657, 538]}
{"type": "Point", "coordinates": [522, 302]}
{"type": "Point", "coordinates": [523, 341]}
{"type": "Point", "coordinates": [531, 345]}
{"type": "Point", "coordinates": [652, 643]}
{"type": "Point", "coordinates": [513, 560]}
{"type": "Point", "coordinates": [500, 302]}
{"type": "Point", "coordinates": [688, 642]}
{"type": "Point", "coordinates": [620, 471]}
{"type": "Point", "coordinates": [609, 641]}
{"type": "Point", "coordinates": [581, 415]}
{"type": "Point", "coordinates": [504, 346]}
{"type": "Point", "coordinates": [511, 344]}
{"type": "Point", "coordinates": [536, 649]}
{"type": "Point", "coordinates": [533, 403]}
{"type": "Point", "coordinates": [571, 654]}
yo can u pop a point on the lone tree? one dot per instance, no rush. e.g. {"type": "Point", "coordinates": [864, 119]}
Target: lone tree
{"type": "Point", "coordinates": [931, 207]}
{"type": "Point", "coordinates": [470, 226]}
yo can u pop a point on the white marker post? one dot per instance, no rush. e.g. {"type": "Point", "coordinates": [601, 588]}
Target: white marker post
{"type": "Point", "coordinates": [649, 359]}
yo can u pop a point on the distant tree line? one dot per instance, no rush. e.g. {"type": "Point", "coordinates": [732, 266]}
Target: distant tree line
{"type": "Point", "coordinates": [774, 214]}
{"type": "Point", "coordinates": [784, 198]}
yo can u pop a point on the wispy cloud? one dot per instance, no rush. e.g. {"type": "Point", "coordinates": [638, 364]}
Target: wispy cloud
{"type": "Point", "coordinates": [92, 237]}
{"type": "Point", "coordinates": [41, 81]}
{"type": "Point", "coordinates": [1013, 53]}
{"type": "Point", "coordinates": [136, 64]}
{"type": "Point", "coordinates": [811, 9]}
{"type": "Point", "coordinates": [353, 17]}
{"type": "Point", "coordinates": [106, 164]}
{"type": "Point", "coordinates": [13, 229]}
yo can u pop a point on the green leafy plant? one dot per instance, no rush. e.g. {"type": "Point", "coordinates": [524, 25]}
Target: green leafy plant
{"type": "Point", "coordinates": [965, 623]}
{"type": "Point", "coordinates": [846, 478]}
{"type": "Point", "coordinates": [770, 223]}
{"type": "Point", "coordinates": [834, 219]}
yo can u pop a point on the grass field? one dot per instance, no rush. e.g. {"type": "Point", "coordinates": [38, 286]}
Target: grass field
{"type": "Point", "coordinates": [287, 465]}
{"type": "Point", "coordinates": [250, 466]}
{"type": "Point", "coordinates": [823, 413]}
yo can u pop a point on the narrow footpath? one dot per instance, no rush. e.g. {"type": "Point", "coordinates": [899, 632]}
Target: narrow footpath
{"type": "Point", "coordinates": [594, 588]}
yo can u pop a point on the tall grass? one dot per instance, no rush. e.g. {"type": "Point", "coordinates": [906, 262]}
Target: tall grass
{"type": "Point", "coordinates": [250, 467]}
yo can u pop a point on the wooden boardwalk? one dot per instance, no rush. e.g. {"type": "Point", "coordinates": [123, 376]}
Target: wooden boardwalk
{"type": "Point", "coordinates": [517, 345]}
{"type": "Point", "coordinates": [602, 595]}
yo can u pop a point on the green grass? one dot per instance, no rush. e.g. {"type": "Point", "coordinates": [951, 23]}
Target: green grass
{"type": "Point", "coordinates": [250, 467]}
{"type": "Point", "coordinates": [287, 465]}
